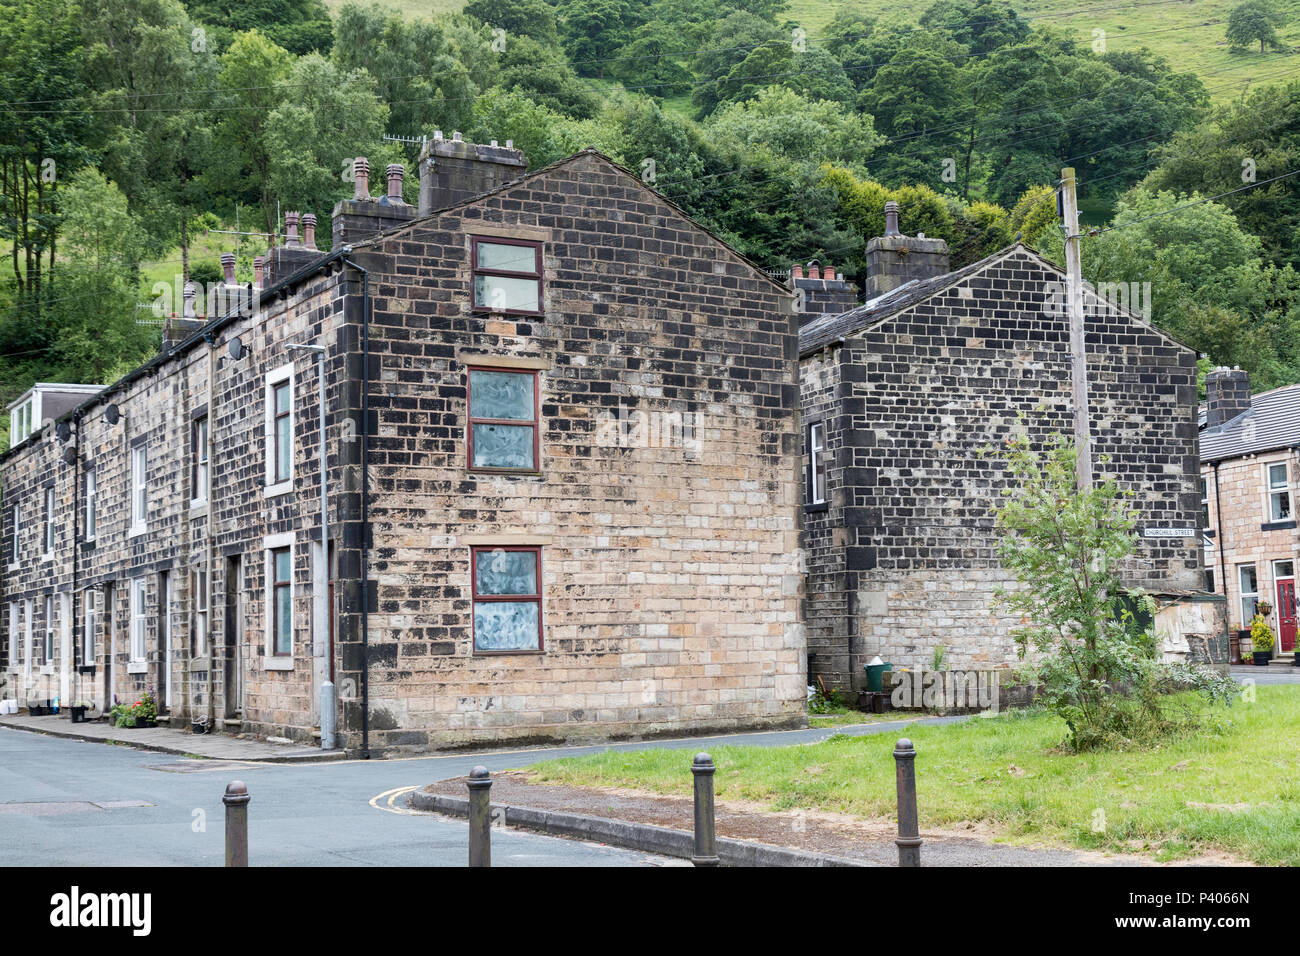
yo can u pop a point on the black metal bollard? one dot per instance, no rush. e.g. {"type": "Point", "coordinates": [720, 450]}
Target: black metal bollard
{"type": "Point", "coordinates": [909, 833]}
{"type": "Point", "coordinates": [706, 849]}
{"type": "Point", "coordinates": [480, 817]}
{"type": "Point", "coordinates": [236, 800]}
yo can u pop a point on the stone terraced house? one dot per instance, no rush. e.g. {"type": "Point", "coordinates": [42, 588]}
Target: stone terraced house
{"type": "Point", "coordinates": [561, 441]}
{"type": "Point", "coordinates": [900, 395]}
{"type": "Point", "coordinates": [1249, 446]}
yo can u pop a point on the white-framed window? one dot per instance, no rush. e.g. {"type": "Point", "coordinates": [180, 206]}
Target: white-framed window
{"type": "Point", "coordinates": [49, 522]}
{"type": "Point", "coordinates": [199, 457]}
{"type": "Point", "coordinates": [139, 622]}
{"type": "Point", "coordinates": [199, 611]}
{"type": "Point", "coordinates": [1279, 496]}
{"type": "Point", "coordinates": [89, 618]}
{"type": "Point", "coordinates": [1248, 582]}
{"type": "Point", "coordinates": [18, 527]}
{"type": "Point", "coordinates": [91, 514]}
{"type": "Point", "coordinates": [20, 423]}
{"type": "Point", "coordinates": [47, 650]}
{"type": "Point", "coordinates": [139, 489]}
{"type": "Point", "coordinates": [1205, 502]}
{"type": "Point", "coordinates": [15, 645]}
{"type": "Point", "coordinates": [817, 463]}
{"type": "Point", "coordinates": [279, 431]}
{"type": "Point", "coordinates": [278, 554]}
{"type": "Point", "coordinates": [29, 612]}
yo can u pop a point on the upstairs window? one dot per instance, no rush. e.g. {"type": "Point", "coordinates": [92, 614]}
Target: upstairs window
{"type": "Point", "coordinates": [91, 504]}
{"type": "Point", "coordinates": [139, 489]}
{"type": "Point", "coordinates": [507, 275]}
{"type": "Point", "coordinates": [503, 419]}
{"type": "Point", "coordinates": [199, 459]}
{"type": "Point", "coordinates": [20, 423]}
{"type": "Point", "coordinates": [279, 428]}
{"type": "Point", "coordinates": [49, 522]}
{"type": "Point", "coordinates": [1279, 498]}
{"type": "Point", "coordinates": [817, 463]}
{"type": "Point", "coordinates": [507, 599]}
{"type": "Point", "coordinates": [1205, 503]}
{"type": "Point", "coordinates": [18, 527]}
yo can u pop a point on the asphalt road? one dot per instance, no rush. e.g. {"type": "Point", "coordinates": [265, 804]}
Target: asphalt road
{"type": "Point", "coordinates": [75, 803]}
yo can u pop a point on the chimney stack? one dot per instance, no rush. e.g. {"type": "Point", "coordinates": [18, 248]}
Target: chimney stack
{"type": "Point", "coordinates": [295, 253]}
{"type": "Point", "coordinates": [452, 171]}
{"type": "Point", "coordinates": [396, 172]}
{"type": "Point", "coordinates": [258, 263]}
{"type": "Point", "coordinates": [1227, 395]}
{"type": "Point", "coordinates": [821, 291]}
{"type": "Point", "coordinates": [895, 259]}
{"type": "Point", "coordinates": [361, 177]}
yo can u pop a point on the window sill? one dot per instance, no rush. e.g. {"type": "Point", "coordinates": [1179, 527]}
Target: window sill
{"type": "Point", "coordinates": [48, 556]}
{"type": "Point", "coordinates": [523, 472]}
{"type": "Point", "coordinates": [274, 491]}
{"type": "Point", "coordinates": [817, 506]}
{"type": "Point", "coordinates": [198, 504]}
{"type": "Point", "coordinates": [137, 667]}
{"type": "Point", "coordinates": [1278, 525]}
{"type": "Point", "coordinates": [47, 669]}
{"type": "Point", "coordinates": [533, 652]}
{"type": "Point", "coordinates": [137, 530]}
{"type": "Point", "coordinates": [199, 663]}
{"type": "Point", "coordinates": [12, 565]}
{"type": "Point", "coordinates": [277, 663]}
{"type": "Point", "coordinates": [88, 544]}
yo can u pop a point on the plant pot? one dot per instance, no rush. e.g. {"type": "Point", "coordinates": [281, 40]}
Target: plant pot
{"type": "Point", "coordinates": [146, 723]}
{"type": "Point", "coordinates": [199, 726]}
{"type": "Point", "coordinates": [1262, 658]}
{"type": "Point", "coordinates": [78, 715]}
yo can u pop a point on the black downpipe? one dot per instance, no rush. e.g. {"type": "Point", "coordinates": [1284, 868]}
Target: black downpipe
{"type": "Point", "coordinates": [365, 508]}
{"type": "Point", "coordinates": [1223, 570]}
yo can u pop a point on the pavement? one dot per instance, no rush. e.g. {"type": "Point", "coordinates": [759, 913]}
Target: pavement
{"type": "Point", "coordinates": [164, 739]}
{"type": "Point", "coordinates": [1267, 675]}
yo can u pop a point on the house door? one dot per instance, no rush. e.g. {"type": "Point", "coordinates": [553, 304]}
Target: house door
{"type": "Point", "coordinates": [1286, 621]}
{"type": "Point", "coordinates": [233, 678]}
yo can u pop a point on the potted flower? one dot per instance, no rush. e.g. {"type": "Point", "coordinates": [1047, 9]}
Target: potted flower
{"type": "Point", "coordinates": [1261, 637]}
{"type": "Point", "coordinates": [121, 716]}
{"type": "Point", "coordinates": [146, 711]}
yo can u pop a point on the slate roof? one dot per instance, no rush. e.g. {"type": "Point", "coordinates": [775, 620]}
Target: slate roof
{"type": "Point", "coordinates": [831, 327]}
{"type": "Point", "coordinates": [1273, 422]}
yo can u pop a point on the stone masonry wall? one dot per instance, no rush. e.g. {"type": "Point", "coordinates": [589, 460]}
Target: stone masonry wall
{"type": "Point", "coordinates": [949, 377]}
{"type": "Point", "coordinates": [671, 582]}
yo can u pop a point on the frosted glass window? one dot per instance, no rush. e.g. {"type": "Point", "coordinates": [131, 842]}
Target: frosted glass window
{"type": "Point", "coordinates": [500, 403]}
{"type": "Point", "coordinates": [507, 276]}
{"type": "Point", "coordinates": [507, 599]}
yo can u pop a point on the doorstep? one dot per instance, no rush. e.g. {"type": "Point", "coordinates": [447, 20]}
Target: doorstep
{"type": "Point", "coordinates": [171, 740]}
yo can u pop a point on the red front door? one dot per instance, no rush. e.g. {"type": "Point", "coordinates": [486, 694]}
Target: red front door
{"type": "Point", "coordinates": [1286, 615]}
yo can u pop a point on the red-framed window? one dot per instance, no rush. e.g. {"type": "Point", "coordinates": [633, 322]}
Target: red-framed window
{"type": "Point", "coordinates": [504, 412]}
{"type": "Point", "coordinates": [507, 275]}
{"type": "Point", "coordinates": [506, 585]}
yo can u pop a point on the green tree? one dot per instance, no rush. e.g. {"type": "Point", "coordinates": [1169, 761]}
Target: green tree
{"type": "Point", "coordinates": [300, 26]}
{"type": "Point", "coordinates": [594, 31]}
{"type": "Point", "coordinates": [1255, 20]}
{"type": "Point", "coordinates": [796, 129]}
{"type": "Point", "coordinates": [918, 101]}
{"type": "Point", "coordinates": [528, 18]}
{"type": "Point", "coordinates": [1085, 635]}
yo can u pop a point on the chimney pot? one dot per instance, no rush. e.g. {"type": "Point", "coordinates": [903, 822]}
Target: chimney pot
{"type": "Point", "coordinates": [187, 294]}
{"type": "Point", "coordinates": [814, 270]}
{"type": "Point", "coordinates": [891, 218]}
{"type": "Point", "coordinates": [291, 220]}
{"type": "Point", "coordinates": [797, 271]}
{"type": "Point", "coordinates": [309, 232]}
{"type": "Point", "coordinates": [828, 273]}
{"type": "Point", "coordinates": [437, 134]}
{"type": "Point", "coordinates": [228, 267]}
{"type": "Point", "coordinates": [361, 170]}
{"type": "Point", "coordinates": [493, 144]}
{"type": "Point", "coordinates": [455, 137]}
{"type": "Point", "coordinates": [396, 172]}
{"type": "Point", "coordinates": [259, 265]}
{"type": "Point", "coordinates": [510, 144]}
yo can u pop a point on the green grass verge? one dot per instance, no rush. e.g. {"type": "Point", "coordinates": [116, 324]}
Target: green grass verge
{"type": "Point", "coordinates": [1234, 786]}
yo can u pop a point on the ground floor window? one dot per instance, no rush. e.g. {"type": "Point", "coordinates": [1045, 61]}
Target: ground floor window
{"type": "Point", "coordinates": [281, 602]}
{"type": "Point", "coordinates": [199, 603]}
{"type": "Point", "coordinates": [1249, 592]}
{"type": "Point", "coordinates": [48, 649]}
{"type": "Point", "coordinates": [506, 584]}
{"type": "Point", "coordinates": [138, 621]}
{"type": "Point", "coordinates": [88, 615]}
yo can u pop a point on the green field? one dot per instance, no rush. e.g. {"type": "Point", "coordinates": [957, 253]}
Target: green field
{"type": "Point", "coordinates": [1189, 33]}
{"type": "Point", "coordinates": [1234, 787]}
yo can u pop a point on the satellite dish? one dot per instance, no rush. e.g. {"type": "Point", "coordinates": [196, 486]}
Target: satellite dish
{"type": "Point", "coordinates": [63, 430]}
{"type": "Point", "coordinates": [235, 349]}
{"type": "Point", "coordinates": [112, 415]}
{"type": "Point", "coordinates": [70, 456]}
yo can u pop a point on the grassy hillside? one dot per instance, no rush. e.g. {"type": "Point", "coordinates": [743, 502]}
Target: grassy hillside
{"type": "Point", "coordinates": [1189, 33]}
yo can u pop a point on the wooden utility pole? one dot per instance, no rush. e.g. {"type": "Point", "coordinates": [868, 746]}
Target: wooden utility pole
{"type": "Point", "coordinates": [1078, 357]}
